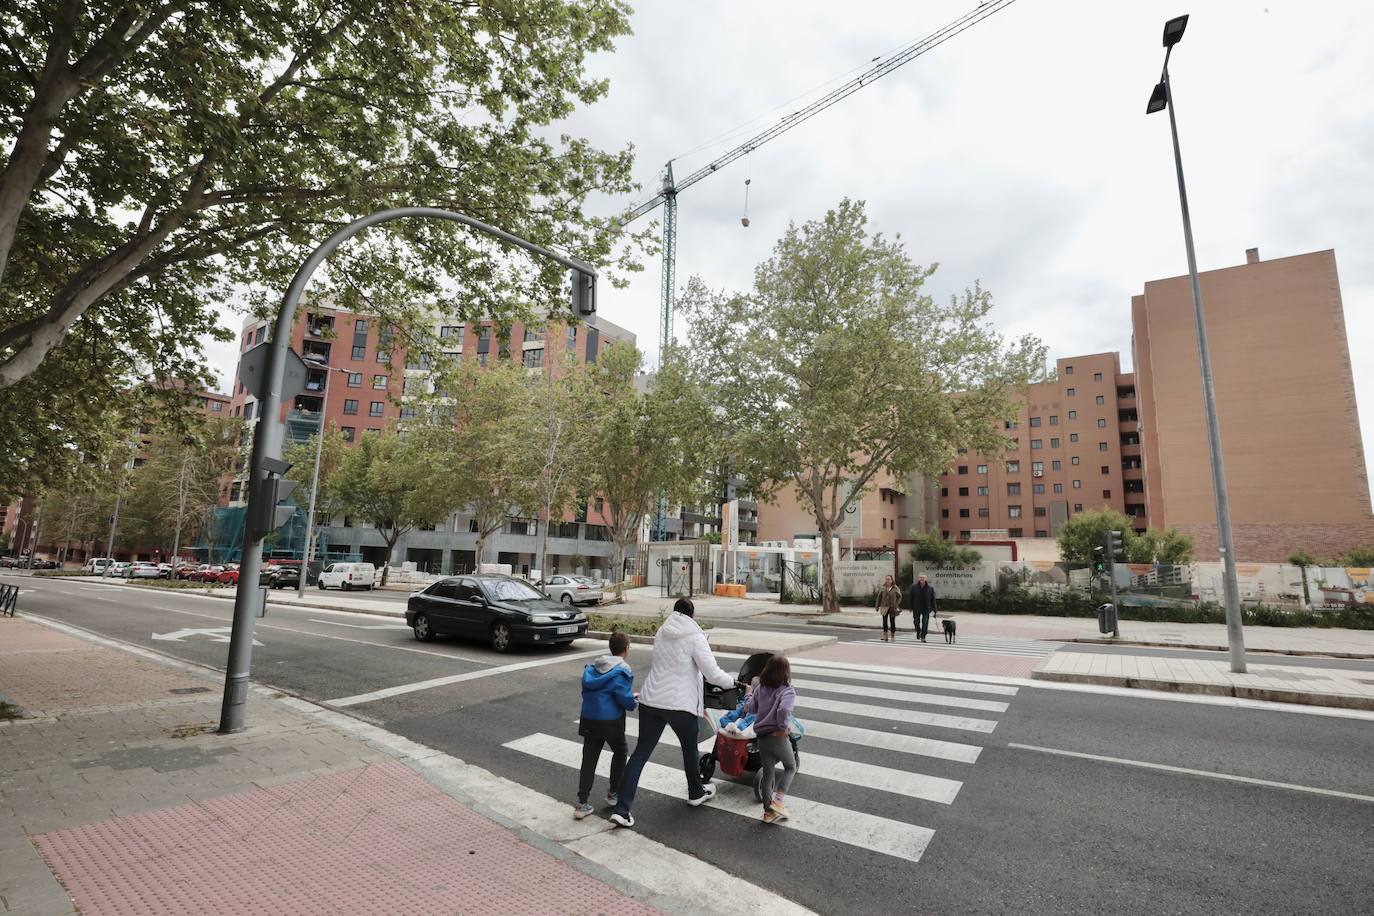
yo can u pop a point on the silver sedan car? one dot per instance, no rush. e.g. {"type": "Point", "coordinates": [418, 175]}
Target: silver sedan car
{"type": "Point", "coordinates": [571, 589]}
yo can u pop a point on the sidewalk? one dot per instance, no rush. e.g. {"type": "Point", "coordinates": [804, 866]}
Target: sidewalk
{"type": "Point", "coordinates": [117, 796]}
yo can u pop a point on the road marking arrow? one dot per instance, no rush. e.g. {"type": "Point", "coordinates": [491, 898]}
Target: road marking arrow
{"type": "Point", "coordinates": [218, 634]}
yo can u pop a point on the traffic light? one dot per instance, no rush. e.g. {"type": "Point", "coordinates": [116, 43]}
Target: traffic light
{"type": "Point", "coordinates": [1116, 548]}
{"type": "Point", "coordinates": [264, 515]}
{"type": "Point", "coordinates": [583, 294]}
{"type": "Point", "coordinates": [1099, 560]}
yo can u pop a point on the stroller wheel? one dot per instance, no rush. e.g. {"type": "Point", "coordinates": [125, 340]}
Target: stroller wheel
{"type": "Point", "coordinates": [758, 786]}
{"type": "Point", "coordinates": [708, 767]}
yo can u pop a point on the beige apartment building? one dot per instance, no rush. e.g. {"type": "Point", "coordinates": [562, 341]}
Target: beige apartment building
{"type": "Point", "coordinates": [1290, 430]}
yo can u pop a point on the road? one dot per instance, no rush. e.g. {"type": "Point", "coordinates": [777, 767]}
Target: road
{"type": "Point", "coordinates": [916, 794]}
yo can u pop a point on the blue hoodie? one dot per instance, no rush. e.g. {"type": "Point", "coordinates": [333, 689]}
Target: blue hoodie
{"type": "Point", "coordinates": [607, 689]}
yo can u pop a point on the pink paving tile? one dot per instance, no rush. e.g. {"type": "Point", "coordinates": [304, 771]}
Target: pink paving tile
{"type": "Point", "coordinates": [932, 659]}
{"type": "Point", "coordinates": [378, 839]}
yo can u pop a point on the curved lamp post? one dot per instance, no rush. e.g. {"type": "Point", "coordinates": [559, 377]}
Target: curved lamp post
{"type": "Point", "coordinates": [267, 439]}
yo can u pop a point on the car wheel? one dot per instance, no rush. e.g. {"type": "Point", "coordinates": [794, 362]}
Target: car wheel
{"type": "Point", "coordinates": [708, 767]}
{"type": "Point", "coordinates": [567, 598]}
{"type": "Point", "coordinates": [501, 637]}
{"type": "Point", "coordinates": [422, 630]}
{"type": "Point", "coordinates": [347, 587]}
{"type": "Point", "coordinates": [320, 583]}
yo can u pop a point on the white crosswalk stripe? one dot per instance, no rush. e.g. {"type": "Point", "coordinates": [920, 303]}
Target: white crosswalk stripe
{"type": "Point", "coordinates": [1028, 648]}
{"type": "Point", "coordinates": [853, 828]}
{"type": "Point", "coordinates": [859, 744]}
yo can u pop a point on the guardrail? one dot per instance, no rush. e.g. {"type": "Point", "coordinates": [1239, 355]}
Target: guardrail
{"type": "Point", "coordinates": [9, 600]}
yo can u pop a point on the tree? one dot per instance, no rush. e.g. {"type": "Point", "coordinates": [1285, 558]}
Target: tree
{"type": "Point", "coordinates": [1169, 546]}
{"type": "Point", "coordinates": [301, 457]}
{"type": "Point", "coordinates": [836, 370]}
{"type": "Point", "coordinates": [1302, 559]}
{"type": "Point", "coordinates": [1086, 530]}
{"type": "Point", "coordinates": [934, 548]}
{"type": "Point", "coordinates": [559, 437]}
{"type": "Point", "coordinates": [171, 156]}
{"type": "Point", "coordinates": [176, 491]}
{"type": "Point", "coordinates": [381, 479]}
{"type": "Point", "coordinates": [646, 445]}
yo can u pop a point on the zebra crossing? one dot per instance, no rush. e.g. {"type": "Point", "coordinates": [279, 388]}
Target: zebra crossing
{"type": "Point", "coordinates": [1024, 648]}
{"type": "Point", "coordinates": [914, 724]}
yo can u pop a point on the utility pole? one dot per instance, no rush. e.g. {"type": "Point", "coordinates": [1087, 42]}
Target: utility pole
{"type": "Point", "coordinates": [181, 509]}
{"type": "Point", "coordinates": [109, 545]}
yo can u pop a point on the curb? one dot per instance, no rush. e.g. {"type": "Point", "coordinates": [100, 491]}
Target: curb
{"type": "Point", "coordinates": [1267, 694]}
{"type": "Point", "coordinates": [1091, 640]}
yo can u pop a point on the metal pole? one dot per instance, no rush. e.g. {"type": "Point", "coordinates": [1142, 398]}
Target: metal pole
{"type": "Point", "coordinates": [181, 511]}
{"type": "Point", "coordinates": [109, 545]}
{"type": "Point", "coordinates": [1235, 638]}
{"type": "Point", "coordinates": [306, 550]}
{"type": "Point", "coordinates": [267, 438]}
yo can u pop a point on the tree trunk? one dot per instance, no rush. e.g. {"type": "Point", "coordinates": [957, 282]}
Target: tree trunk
{"type": "Point", "coordinates": [1306, 597]}
{"type": "Point", "coordinates": [830, 602]}
{"type": "Point", "coordinates": [543, 557]}
{"type": "Point", "coordinates": [390, 549]}
{"type": "Point", "coordinates": [618, 556]}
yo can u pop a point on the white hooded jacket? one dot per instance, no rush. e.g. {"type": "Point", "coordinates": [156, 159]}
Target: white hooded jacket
{"type": "Point", "coordinates": [682, 658]}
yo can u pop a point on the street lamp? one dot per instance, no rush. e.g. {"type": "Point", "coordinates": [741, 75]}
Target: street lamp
{"type": "Point", "coordinates": [1162, 97]}
{"type": "Point", "coordinates": [306, 550]}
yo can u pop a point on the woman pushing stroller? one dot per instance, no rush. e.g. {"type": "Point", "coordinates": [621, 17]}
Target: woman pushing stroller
{"type": "Point", "coordinates": [771, 704]}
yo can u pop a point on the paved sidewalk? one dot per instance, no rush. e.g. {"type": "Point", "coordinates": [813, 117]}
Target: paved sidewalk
{"type": "Point", "coordinates": [1276, 683]}
{"type": "Point", "coordinates": [117, 796]}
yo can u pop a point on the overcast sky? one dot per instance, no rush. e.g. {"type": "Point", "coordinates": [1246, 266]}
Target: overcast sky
{"type": "Point", "coordinates": [1017, 154]}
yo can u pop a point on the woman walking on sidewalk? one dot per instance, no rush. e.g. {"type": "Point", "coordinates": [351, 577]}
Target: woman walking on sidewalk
{"type": "Point", "coordinates": [772, 701]}
{"type": "Point", "coordinates": [672, 698]}
{"type": "Point", "coordinates": [889, 604]}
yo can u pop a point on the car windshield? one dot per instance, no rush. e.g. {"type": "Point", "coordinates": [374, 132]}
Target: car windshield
{"type": "Point", "coordinates": [510, 590]}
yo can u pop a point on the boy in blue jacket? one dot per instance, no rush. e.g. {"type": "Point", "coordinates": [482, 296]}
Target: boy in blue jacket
{"type": "Point", "coordinates": [607, 694]}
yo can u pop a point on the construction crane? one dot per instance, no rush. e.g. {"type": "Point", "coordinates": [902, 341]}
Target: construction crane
{"type": "Point", "coordinates": [669, 190]}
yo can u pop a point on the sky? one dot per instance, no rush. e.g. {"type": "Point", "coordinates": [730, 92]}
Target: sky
{"type": "Point", "coordinates": [1018, 154]}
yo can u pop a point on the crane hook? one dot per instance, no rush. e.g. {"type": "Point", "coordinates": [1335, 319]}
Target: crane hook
{"type": "Point", "coordinates": [744, 220]}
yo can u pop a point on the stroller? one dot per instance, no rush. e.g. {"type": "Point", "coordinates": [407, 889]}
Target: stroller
{"type": "Point", "coordinates": [738, 758]}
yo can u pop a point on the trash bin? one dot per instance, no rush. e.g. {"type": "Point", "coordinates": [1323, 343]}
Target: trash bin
{"type": "Point", "coordinates": [1106, 619]}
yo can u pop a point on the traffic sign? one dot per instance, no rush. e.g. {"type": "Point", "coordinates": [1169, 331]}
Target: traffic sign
{"type": "Point", "coordinates": [253, 372]}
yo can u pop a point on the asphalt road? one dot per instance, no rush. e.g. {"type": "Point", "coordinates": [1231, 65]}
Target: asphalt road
{"type": "Point", "coordinates": [958, 768]}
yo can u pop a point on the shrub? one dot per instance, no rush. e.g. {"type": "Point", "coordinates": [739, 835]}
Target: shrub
{"type": "Point", "coordinates": [634, 626]}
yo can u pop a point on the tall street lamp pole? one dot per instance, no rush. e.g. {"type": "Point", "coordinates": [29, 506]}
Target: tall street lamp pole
{"type": "Point", "coordinates": [1161, 98]}
{"type": "Point", "coordinates": [306, 551]}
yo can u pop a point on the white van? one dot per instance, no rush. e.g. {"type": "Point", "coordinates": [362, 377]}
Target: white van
{"type": "Point", "coordinates": [348, 576]}
{"type": "Point", "coordinates": [96, 565]}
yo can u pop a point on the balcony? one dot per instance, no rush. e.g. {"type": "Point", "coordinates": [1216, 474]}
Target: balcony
{"type": "Point", "coordinates": [302, 424]}
{"type": "Point", "coordinates": [1128, 427]}
{"type": "Point", "coordinates": [319, 326]}
{"type": "Point", "coordinates": [1129, 473]}
{"type": "Point", "coordinates": [1130, 449]}
{"type": "Point", "coordinates": [315, 351]}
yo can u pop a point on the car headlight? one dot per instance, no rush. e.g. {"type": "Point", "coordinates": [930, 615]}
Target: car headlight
{"type": "Point", "coordinates": [541, 618]}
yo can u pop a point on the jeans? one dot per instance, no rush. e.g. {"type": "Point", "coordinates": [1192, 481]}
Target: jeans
{"type": "Point", "coordinates": [922, 623]}
{"type": "Point", "coordinates": [652, 721]}
{"type": "Point", "coordinates": [890, 622]}
{"type": "Point", "coordinates": [591, 755]}
{"type": "Point", "coordinates": [773, 750]}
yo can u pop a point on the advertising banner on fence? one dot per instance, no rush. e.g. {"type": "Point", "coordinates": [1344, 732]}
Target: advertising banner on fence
{"type": "Point", "coordinates": [858, 578]}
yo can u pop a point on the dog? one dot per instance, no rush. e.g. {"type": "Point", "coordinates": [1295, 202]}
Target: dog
{"type": "Point", "coordinates": [950, 630]}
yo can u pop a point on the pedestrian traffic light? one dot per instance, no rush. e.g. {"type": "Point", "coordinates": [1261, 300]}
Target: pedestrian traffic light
{"type": "Point", "coordinates": [1099, 560]}
{"type": "Point", "coordinates": [583, 294]}
{"type": "Point", "coordinates": [264, 515]}
{"type": "Point", "coordinates": [1116, 548]}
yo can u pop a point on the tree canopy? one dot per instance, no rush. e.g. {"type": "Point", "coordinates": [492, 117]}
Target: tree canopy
{"type": "Point", "coordinates": [837, 369]}
{"type": "Point", "coordinates": [1086, 530]}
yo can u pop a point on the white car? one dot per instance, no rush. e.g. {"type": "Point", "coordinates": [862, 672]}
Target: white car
{"type": "Point", "coordinates": [144, 571]}
{"type": "Point", "coordinates": [348, 576]}
{"type": "Point", "coordinates": [96, 565]}
{"type": "Point", "coordinates": [571, 589]}
{"type": "Point", "coordinates": [120, 569]}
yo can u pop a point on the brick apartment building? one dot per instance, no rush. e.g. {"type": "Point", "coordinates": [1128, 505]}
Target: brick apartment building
{"type": "Point", "coordinates": [1097, 438]}
{"type": "Point", "coordinates": [369, 375]}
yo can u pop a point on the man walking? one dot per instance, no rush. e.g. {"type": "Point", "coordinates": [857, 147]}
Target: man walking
{"type": "Point", "coordinates": [921, 597]}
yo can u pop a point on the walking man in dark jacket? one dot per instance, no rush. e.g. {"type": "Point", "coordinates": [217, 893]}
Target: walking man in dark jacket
{"type": "Point", "coordinates": [921, 597]}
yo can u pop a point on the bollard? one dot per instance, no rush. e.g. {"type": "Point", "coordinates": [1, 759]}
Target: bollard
{"type": "Point", "coordinates": [1106, 619]}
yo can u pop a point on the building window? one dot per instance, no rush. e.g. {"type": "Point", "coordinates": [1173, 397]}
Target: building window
{"type": "Point", "coordinates": [1106, 494]}
{"type": "Point", "coordinates": [451, 332]}
{"type": "Point", "coordinates": [963, 513]}
{"type": "Point", "coordinates": [982, 469]}
{"type": "Point", "coordinates": [1038, 488]}
{"type": "Point", "coordinates": [350, 406]}
{"type": "Point", "coordinates": [360, 326]}
{"type": "Point", "coordinates": [348, 433]}
{"type": "Point", "coordinates": [1073, 415]}
{"type": "Point", "coordinates": [1106, 469]}
{"type": "Point", "coordinates": [944, 491]}
{"type": "Point", "coordinates": [1054, 419]}
{"type": "Point", "coordinates": [359, 352]}
{"type": "Point", "coordinates": [419, 361]}
{"type": "Point", "coordinates": [248, 411]}
{"type": "Point", "coordinates": [1078, 484]}
{"type": "Point", "coordinates": [1059, 488]}
{"type": "Point", "coordinates": [376, 408]}
{"type": "Point", "coordinates": [1101, 446]}
{"type": "Point", "coordinates": [572, 344]}
{"type": "Point", "coordinates": [983, 512]}
{"type": "Point", "coordinates": [1013, 511]}
{"type": "Point", "coordinates": [1101, 399]}
{"type": "Point", "coordinates": [1056, 465]}
{"type": "Point", "coordinates": [1040, 512]}
{"type": "Point", "coordinates": [1097, 376]}
{"type": "Point", "coordinates": [944, 513]}
{"type": "Point", "coordinates": [963, 535]}
{"type": "Point", "coordinates": [384, 357]}
{"type": "Point", "coordinates": [1071, 392]}
{"type": "Point", "coordinates": [1015, 444]}
{"type": "Point", "coordinates": [1078, 507]}
{"type": "Point", "coordinates": [963, 491]}
{"type": "Point", "coordinates": [1054, 443]}
{"type": "Point", "coordinates": [1101, 423]}
{"type": "Point", "coordinates": [963, 451]}
{"type": "Point", "coordinates": [534, 358]}
{"type": "Point", "coordinates": [945, 535]}
{"type": "Point", "coordinates": [217, 406]}
{"type": "Point", "coordinates": [1068, 370]}
{"type": "Point", "coordinates": [355, 380]}
{"type": "Point", "coordinates": [379, 382]}
{"type": "Point", "coordinates": [1073, 460]}
{"type": "Point", "coordinates": [1015, 532]}
{"type": "Point", "coordinates": [372, 431]}
{"type": "Point", "coordinates": [1035, 443]}
{"type": "Point", "coordinates": [1013, 489]}
{"type": "Point", "coordinates": [982, 491]}
{"type": "Point", "coordinates": [408, 413]}
{"type": "Point", "coordinates": [1013, 467]}
{"type": "Point", "coordinates": [1073, 437]}
{"type": "Point", "coordinates": [1034, 421]}
{"type": "Point", "coordinates": [963, 469]}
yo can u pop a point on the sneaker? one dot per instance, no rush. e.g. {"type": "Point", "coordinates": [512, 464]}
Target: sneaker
{"type": "Point", "coordinates": [622, 820]}
{"type": "Point", "coordinates": [771, 817]}
{"type": "Point", "coordinates": [779, 809]}
{"type": "Point", "coordinates": [708, 792]}
{"type": "Point", "coordinates": [612, 799]}
{"type": "Point", "coordinates": [582, 811]}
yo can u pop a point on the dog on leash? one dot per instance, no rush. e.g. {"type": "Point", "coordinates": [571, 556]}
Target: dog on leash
{"type": "Point", "coordinates": [950, 630]}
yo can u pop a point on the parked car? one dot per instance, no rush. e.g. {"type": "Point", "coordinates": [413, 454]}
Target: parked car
{"type": "Point", "coordinates": [501, 610]}
{"type": "Point", "coordinates": [165, 570]}
{"type": "Point", "coordinates": [143, 571]}
{"type": "Point", "coordinates": [184, 570]}
{"type": "Point", "coordinates": [206, 572]}
{"type": "Point", "coordinates": [571, 589]}
{"type": "Point", "coordinates": [119, 569]}
{"type": "Point", "coordinates": [348, 576]}
{"type": "Point", "coordinates": [96, 565]}
{"type": "Point", "coordinates": [284, 577]}
{"type": "Point", "coordinates": [228, 576]}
